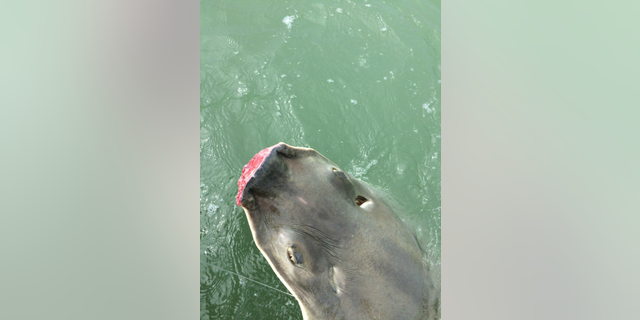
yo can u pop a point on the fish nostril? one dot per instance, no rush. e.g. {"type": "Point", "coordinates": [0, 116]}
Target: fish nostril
{"type": "Point", "coordinates": [360, 200]}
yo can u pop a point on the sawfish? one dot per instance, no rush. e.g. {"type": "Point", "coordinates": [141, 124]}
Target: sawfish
{"type": "Point", "coordinates": [333, 240]}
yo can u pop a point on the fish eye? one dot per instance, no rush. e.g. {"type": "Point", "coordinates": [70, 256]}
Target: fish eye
{"type": "Point", "coordinates": [294, 257]}
{"type": "Point", "coordinates": [339, 173]}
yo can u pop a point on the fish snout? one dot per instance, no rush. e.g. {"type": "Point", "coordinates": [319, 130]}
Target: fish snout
{"type": "Point", "coordinates": [265, 173]}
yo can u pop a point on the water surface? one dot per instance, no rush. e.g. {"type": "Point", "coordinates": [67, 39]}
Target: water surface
{"type": "Point", "coordinates": [359, 81]}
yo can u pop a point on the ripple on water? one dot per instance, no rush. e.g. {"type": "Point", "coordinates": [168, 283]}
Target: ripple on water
{"type": "Point", "coordinates": [311, 74]}
{"type": "Point", "coordinates": [288, 21]}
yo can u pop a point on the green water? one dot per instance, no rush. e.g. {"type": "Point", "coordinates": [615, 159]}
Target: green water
{"type": "Point", "coordinates": [359, 81]}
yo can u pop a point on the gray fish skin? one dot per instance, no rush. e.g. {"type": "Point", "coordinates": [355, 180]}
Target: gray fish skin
{"type": "Point", "coordinates": [333, 241]}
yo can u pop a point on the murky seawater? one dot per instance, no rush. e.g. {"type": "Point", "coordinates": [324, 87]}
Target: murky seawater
{"type": "Point", "coordinates": [359, 81]}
